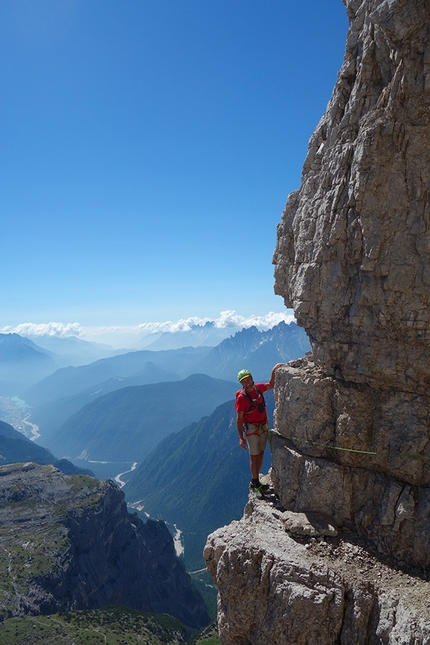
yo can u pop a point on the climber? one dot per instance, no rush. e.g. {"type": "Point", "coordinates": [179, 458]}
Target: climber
{"type": "Point", "coordinates": [252, 424]}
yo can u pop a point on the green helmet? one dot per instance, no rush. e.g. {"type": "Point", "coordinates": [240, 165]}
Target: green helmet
{"type": "Point", "coordinates": [243, 374]}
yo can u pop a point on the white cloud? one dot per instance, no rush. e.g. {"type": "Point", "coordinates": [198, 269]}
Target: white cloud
{"type": "Point", "coordinates": [226, 319]}
{"type": "Point", "coordinates": [183, 324]}
{"type": "Point", "coordinates": [232, 319]}
{"type": "Point", "coordinates": [60, 330]}
{"type": "Point", "coordinates": [122, 336]}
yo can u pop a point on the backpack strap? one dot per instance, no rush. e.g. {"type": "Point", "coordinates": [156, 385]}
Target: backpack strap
{"type": "Point", "coordinates": [252, 403]}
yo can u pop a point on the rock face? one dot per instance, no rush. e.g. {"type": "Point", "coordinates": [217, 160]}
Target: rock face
{"type": "Point", "coordinates": [351, 445]}
{"type": "Point", "coordinates": [353, 251]}
{"type": "Point", "coordinates": [358, 455]}
{"type": "Point", "coordinates": [68, 543]}
{"type": "Point", "coordinates": [274, 589]}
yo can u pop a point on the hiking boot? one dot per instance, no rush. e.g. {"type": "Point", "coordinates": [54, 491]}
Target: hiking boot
{"type": "Point", "coordinates": [262, 487]}
{"type": "Point", "coordinates": [257, 490]}
{"type": "Point", "coordinates": [259, 494]}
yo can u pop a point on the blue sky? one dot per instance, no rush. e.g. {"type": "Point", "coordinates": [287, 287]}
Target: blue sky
{"type": "Point", "coordinates": [147, 150]}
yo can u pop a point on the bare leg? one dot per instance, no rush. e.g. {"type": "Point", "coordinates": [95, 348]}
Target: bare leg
{"type": "Point", "coordinates": [256, 463]}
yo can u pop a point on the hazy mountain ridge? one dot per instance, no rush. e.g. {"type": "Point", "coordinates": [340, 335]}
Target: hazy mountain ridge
{"type": "Point", "coordinates": [22, 363]}
{"type": "Point", "coordinates": [74, 380]}
{"type": "Point", "coordinates": [125, 425]}
{"type": "Point", "coordinates": [14, 347]}
{"type": "Point", "coordinates": [15, 447]}
{"type": "Point", "coordinates": [71, 350]}
{"type": "Point", "coordinates": [258, 350]}
{"type": "Point", "coordinates": [51, 415]}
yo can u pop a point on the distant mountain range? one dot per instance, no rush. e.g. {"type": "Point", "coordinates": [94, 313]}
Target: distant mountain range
{"type": "Point", "coordinates": [64, 393]}
{"type": "Point", "coordinates": [81, 411]}
{"type": "Point", "coordinates": [256, 350]}
{"type": "Point", "coordinates": [197, 479]}
{"type": "Point", "coordinates": [26, 361]}
{"type": "Point", "coordinates": [72, 350]}
{"type": "Point", "coordinates": [22, 363]}
{"type": "Point", "coordinates": [15, 448]}
{"type": "Point", "coordinates": [126, 425]}
{"type": "Point", "coordinates": [199, 335]}
{"type": "Point", "coordinates": [69, 381]}
{"type": "Point", "coordinates": [50, 416]}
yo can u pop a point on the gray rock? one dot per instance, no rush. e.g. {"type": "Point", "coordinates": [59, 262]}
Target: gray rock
{"type": "Point", "coordinates": [386, 431]}
{"type": "Point", "coordinates": [310, 524]}
{"type": "Point", "coordinates": [388, 514]}
{"type": "Point", "coordinates": [274, 589]}
{"type": "Point", "coordinates": [353, 248]}
{"type": "Point", "coordinates": [67, 542]}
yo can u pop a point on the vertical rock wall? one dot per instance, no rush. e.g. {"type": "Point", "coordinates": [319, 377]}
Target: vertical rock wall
{"type": "Point", "coordinates": [353, 258]}
{"type": "Point", "coordinates": [353, 250]}
{"type": "Point", "coordinates": [351, 445]}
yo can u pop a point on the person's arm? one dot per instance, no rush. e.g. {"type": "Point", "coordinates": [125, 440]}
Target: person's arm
{"type": "Point", "coordinates": [239, 424]}
{"type": "Point", "coordinates": [270, 385]}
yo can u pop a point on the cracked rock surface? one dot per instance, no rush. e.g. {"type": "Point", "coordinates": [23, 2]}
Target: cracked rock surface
{"type": "Point", "coordinates": [277, 588]}
{"type": "Point", "coordinates": [353, 249]}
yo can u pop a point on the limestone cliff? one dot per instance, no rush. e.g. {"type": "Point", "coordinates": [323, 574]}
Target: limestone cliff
{"type": "Point", "coordinates": [353, 248]}
{"type": "Point", "coordinates": [67, 542]}
{"type": "Point", "coordinates": [342, 556]}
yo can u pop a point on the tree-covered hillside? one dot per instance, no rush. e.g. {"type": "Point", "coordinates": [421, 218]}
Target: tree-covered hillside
{"type": "Point", "coordinates": [50, 416]}
{"type": "Point", "coordinates": [112, 625]}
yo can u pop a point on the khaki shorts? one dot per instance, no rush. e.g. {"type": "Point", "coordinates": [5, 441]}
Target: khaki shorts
{"type": "Point", "coordinates": [256, 437]}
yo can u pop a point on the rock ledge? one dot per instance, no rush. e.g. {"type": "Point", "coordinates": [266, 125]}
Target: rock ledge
{"type": "Point", "coordinates": [276, 589]}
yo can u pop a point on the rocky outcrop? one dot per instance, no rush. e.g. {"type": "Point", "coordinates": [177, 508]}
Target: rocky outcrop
{"type": "Point", "coordinates": [277, 589]}
{"type": "Point", "coordinates": [68, 543]}
{"type": "Point", "coordinates": [359, 456]}
{"type": "Point", "coordinates": [351, 445]}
